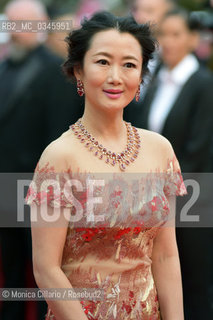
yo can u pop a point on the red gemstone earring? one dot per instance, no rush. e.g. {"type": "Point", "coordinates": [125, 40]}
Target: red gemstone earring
{"type": "Point", "coordinates": [80, 88]}
{"type": "Point", "coordinates": [138, 92]}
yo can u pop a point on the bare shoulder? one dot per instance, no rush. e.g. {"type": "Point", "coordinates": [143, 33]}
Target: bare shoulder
{"type": "Point", "coordinates": [155, 139]}
{"type": "Point", "coordinates": [156, 146]}
{"type": "Point", "coordinates": [56, 153]}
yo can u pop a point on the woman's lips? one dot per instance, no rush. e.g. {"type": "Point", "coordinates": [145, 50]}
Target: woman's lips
{"type": "Point", "coordinates": [113, 94]}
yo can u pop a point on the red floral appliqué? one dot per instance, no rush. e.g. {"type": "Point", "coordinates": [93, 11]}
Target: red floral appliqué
{"type": "Point", "coordinates": [90, 232]}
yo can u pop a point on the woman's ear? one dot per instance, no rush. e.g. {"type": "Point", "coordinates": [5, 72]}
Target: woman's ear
{"type": "Point", "coordinates": [77, 72]}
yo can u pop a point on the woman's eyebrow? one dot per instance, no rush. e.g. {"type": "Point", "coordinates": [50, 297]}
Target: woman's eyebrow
{"type": "Point", "coordinates": [110, 56]}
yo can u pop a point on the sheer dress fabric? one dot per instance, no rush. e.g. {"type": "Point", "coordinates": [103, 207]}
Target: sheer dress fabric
{"type": "Point", "coordinates": [114, 253]}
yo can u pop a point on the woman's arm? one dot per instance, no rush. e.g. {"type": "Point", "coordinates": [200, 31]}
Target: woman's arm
{"type": "Point", "coordinates": [166, 269]}
{"type": "Point", "coordinates": [48, 242]}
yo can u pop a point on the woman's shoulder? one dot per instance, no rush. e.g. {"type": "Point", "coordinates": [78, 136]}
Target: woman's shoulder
{"type": "Point", "coordinates": [56, 153]}
{"type": "Point", "coordinates": [156, 146]}
{"type": "Point", "coordinates": [155, 140]}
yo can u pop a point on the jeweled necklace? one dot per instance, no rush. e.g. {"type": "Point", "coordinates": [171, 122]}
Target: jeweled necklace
{"type": "Point", "coordinates": [123, 159]}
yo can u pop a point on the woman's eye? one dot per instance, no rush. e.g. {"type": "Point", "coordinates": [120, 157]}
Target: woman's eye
{"type": "Point", "coordinates": [102, 61]}
{"type": "Point", "coordinates": [130, 65]}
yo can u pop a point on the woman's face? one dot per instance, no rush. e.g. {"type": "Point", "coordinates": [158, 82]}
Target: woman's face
{"type": "Point", "coordinates": [175, 39]}
{"type": "Point", "coordinates": [112, 70]}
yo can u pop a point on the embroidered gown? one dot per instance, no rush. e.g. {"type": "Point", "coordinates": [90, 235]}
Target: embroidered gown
{"type": "Point", "coordinates": [113, 253]}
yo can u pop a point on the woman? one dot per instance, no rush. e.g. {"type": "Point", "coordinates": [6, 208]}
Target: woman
{"type": "Point", "coordinates": [129, 256]}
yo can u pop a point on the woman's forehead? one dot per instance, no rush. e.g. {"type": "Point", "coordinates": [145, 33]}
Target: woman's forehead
{"type": "Point", "coordinates": [115, 42]}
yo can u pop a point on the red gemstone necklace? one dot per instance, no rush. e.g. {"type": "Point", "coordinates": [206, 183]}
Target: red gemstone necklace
{"type": "Point", "coordinates": [123, 159]}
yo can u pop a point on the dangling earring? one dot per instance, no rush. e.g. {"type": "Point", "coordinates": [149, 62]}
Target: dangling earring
{"type": "Point", "coordinates": [80, 88]}
{"type": "Point", "coordinates": [138, 92]}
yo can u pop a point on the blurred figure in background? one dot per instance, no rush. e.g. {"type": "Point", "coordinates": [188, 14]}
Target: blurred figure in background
{"type": "Point", "coordinates": [55, 40]}
{"type": "Point", "coordinates": [179, 105]}
{"type": "Point", "coordinates": [180, 88]}
{"type": "Point", "coordinates": [147, 11]}
{"type": "Point", "coordinates": [150, 10]}
{"type": "Point", "coordinates": [87, 8]}
{"type": "Point", "coordinates": [36, 106]}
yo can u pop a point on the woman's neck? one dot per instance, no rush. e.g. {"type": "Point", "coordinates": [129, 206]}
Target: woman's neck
{"type": "Point", "coordinates": [109, 129]}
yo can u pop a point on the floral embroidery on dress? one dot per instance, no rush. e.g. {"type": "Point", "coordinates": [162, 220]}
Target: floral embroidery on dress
{"type": "Point", "coordinates": [174, 184]}
{"type": "Point", "coordinates": [116, 254]}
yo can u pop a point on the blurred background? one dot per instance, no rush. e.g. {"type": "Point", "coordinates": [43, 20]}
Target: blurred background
{"type": "Point", "coordinates": [76, 9]}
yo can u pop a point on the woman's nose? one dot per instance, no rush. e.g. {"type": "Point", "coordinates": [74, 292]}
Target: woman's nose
{"type": "Point", "coordinates": [114, 75]}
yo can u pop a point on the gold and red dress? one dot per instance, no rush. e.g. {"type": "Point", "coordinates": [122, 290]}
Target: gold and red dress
{"type": "Point", "coordinates": [114, 253]}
